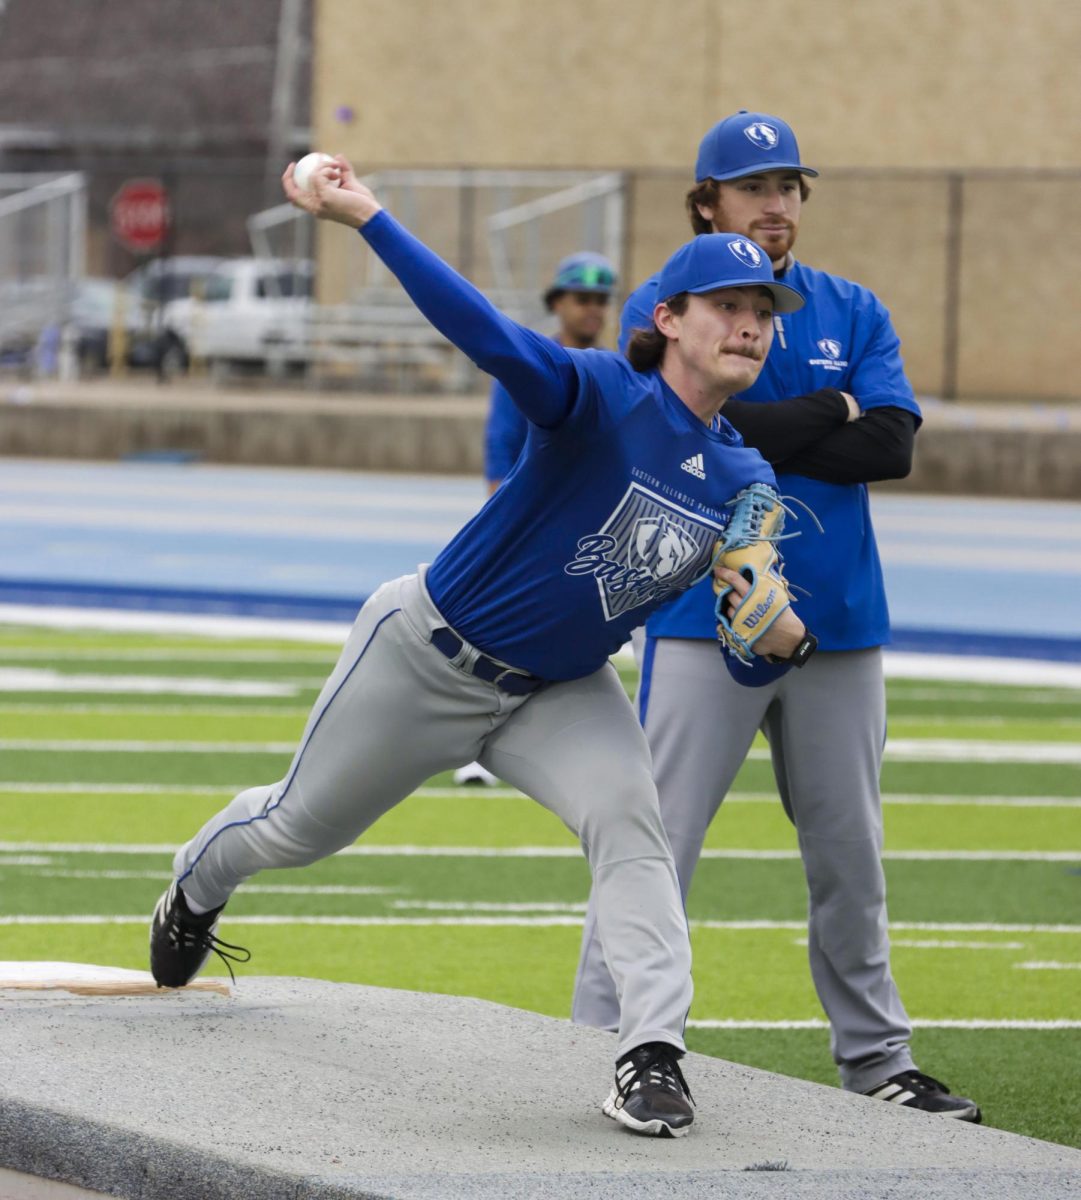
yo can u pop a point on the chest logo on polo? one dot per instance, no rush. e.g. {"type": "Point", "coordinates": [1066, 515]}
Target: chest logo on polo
{"type": "Point", "coordinates": [648, 549]}
{"type": "Point", "coordinates": [831, 350]}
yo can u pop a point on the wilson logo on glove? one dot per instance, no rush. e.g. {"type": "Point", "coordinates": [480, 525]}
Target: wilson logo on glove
{"type": "Point", "coordinates": [760, 610]}
{"type": "Point", "coordinates": [747, 546]}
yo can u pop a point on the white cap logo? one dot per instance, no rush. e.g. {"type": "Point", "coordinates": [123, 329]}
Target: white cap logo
{"type": "Point", "coordinates": [830, 348]}
{"type": "Point", "coordinates": [747, 252]}
{"type": "Point", "coordinates": [764, 136]}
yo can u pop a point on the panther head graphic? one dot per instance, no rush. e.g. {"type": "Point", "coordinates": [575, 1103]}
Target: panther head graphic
{"type": "Point", "coordinates": [660, 546]}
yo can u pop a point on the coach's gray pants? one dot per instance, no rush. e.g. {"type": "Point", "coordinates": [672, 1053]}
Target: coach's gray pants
{"type": "Point", "coordinates": [826, 727]}
{"type": "Point", "coordinates": [394, 712]}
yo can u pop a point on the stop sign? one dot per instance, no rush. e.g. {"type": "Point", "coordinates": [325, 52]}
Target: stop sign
{"type": "Point", "coordinates": [140, 214]}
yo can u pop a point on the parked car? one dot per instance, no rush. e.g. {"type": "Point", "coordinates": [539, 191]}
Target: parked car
{"type": "Point", "coordinates": [164, 281]}
{"type": "Point", "coordinates": [96, 306]}
{"type": "Point", "coordinates": [248, 315]}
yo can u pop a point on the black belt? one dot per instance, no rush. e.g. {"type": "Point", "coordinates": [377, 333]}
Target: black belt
{"type": "Point", "coordinates": [507, 679]}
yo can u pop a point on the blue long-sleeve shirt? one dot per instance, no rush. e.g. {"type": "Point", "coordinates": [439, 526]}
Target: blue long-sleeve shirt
{"type": "Point", "coordinates": [842, 338]}
{"type": "Point", "coordinates": [610, 511]}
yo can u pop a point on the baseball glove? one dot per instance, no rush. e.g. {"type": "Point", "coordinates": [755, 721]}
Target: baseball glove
{"type": "Point", "coordinates": [748, 546]}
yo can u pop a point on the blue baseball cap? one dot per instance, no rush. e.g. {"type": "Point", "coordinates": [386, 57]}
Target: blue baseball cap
{"type": "Point", "coordinates": [723, 260]}
{"type": "Point", "coordinates": [745, 144]}
{"type": "Point", "coordinates": [582, 272]}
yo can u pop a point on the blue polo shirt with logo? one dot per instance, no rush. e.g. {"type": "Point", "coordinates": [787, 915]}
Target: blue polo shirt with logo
{"type": "Point", "coordinates": [842, 338]}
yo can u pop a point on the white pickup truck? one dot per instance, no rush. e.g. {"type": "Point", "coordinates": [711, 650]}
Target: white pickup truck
{"type": "Point", "coordinates": [250, 313]}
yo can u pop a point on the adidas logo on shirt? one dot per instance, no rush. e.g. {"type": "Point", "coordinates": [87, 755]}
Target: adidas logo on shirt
{"type": "Point", "coordinates": [694, 466]}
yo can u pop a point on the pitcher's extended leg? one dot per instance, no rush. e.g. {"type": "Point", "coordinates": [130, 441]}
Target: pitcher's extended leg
{"type": "Point", "coordinates": [578, 749]}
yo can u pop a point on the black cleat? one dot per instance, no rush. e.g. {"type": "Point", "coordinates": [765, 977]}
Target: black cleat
{"type": "Point", "coordinates": [650, 1094]}
{"type": "Point", "coordinates": [181, 941]}
{"type": "Point", "coordinates": [913, 1089]}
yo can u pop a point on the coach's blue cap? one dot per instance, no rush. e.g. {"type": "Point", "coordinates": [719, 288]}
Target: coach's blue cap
{"type": "Point", "coordinates": [746, 143]}
{"type": "Point", "coordinates": [582, 272]}
{"type": "Point", "coordinates": [723, 260]}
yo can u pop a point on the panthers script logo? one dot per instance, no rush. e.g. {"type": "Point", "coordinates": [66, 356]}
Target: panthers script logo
{"type": "Point", "coordinates": [648, 549]}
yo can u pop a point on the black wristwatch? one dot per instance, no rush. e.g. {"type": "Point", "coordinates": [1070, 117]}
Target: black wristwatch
{"type": "Point", "coordinates": [801, 653]}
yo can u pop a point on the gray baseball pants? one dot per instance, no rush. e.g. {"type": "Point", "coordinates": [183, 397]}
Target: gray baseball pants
{"type": "Point", "coordinates": [826, 728]}
{"type": "Point", "coordinates": [396, 711]}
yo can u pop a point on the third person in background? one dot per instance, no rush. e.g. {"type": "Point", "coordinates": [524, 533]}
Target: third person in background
{"type": "Point", "coordinates": [578, 298]}
{"type": "Point", "coordinates": [831, 411]}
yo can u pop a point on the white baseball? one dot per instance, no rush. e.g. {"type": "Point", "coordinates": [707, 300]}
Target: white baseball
{"type": "Point", "coordinates": [302, 172]}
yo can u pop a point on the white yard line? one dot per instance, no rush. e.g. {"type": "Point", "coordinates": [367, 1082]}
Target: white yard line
{"type": "Point", "coordinates": [917, 1022]}
{"type": "Point", "coordinates": [175, 654]}
{"type": "Point", "coordinates": [548, 921]}
{"type": "Point", "coordinates": [897, 750]}
{"type": "Point", "coordinates": [140, 710]}
{"type": "Point", "coordinates": [1048, 966]}
{"type": "Point", "coordinates": [18, 787]}
{"type": "Point", "coordinates": [412, 851]}
{"type": "Point", "coordinates": [121, 789]}
{"type": "Point", "coordinates": [32, 679]}
{"type": "Point", "coordinates": [928, 944]}
{"type": "Point", "coordinates": [264, 889]}
{"type": "Point", "coordinates": [75, 746]}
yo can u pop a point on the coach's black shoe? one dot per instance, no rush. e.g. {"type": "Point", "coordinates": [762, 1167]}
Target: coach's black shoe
{"type": "Point", "coordinates": [181, 941]}
{"type": "Point", "coordinates": [650, 1094]}
{"type": "Point", "coordinates": [914, 1089]}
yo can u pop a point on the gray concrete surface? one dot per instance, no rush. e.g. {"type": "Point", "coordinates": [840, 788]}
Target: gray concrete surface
{"type": "Point", "coordinates": [300, 1088]}
{"type": "Point", "coordinates": [991, 449]}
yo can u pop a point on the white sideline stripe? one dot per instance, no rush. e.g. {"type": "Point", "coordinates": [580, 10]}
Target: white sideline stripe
{"type": "Point", "coordinates": [899, 750]}
{"type": "Point", "coordinates": [917, 1023]}
{"type": "Point", "coordinates": [408, 851]}
{"type": "Point", "coordinates": [120, 620]}
{"type": "Point", "coordinates": [507, 793]}
{"type": "Point", "coordinates": [897, 664]}
{"type": "Point", "coordinates": [1048, 966]}
{"type": "Point", "coordinates": [1020, 671]}
{"type": "Point", "coordinates": [18, 679]}
{"type": "Point", "coordinates": [553, 921]}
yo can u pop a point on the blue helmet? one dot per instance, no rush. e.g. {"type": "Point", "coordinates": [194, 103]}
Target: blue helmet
{"type": "Point", "coordinates": [745, 144]}
{"type": "Point", "coordinates": [582, 272]}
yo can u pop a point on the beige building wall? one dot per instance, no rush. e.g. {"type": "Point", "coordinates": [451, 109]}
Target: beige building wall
{"type": "Point", "coordinates": [887, 97]}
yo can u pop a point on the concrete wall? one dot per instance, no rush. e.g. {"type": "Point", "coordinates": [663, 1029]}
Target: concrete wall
{"type": "Point", "coordinates": [978, 450]}
{"type": "Point", "coordinates": [622, 83]}
{"type": "Point", "coordinates": [890, 99]}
